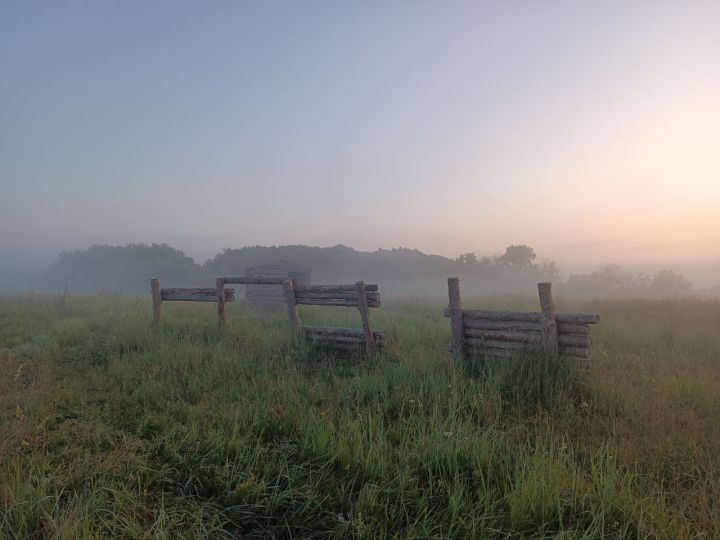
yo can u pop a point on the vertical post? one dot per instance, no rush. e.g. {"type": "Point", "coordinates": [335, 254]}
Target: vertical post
{"type": "Point", "coordinates": [550, 335]}
{"type": "Point", "coordinates": [156, 299]}
{"type": "Point", "coordinates": [220, 292]}
{"type": "Point", "coordinates": [289, 291]}
{"type": "Point", "coordinates": [365, 316]}
{"type": "Point", "coordinates": [456, 317]}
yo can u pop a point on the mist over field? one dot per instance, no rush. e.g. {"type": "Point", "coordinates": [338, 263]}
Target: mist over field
{"type": "Point", "coordinates": [449, 131]}
{"type": "Point", "coordinates": [360, 270]}
{"type": "Point", "coordinates": [400, 271]}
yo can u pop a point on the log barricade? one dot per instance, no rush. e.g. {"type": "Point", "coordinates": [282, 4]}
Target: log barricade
{"type": "Point", "coordinates": [504, 333]}
{"type": "Point", "coordinates": [185, 294]}
{"type": "Point", "coordinates": [360, 295]}
{"type": "Point", "coordinates": [218, 294]}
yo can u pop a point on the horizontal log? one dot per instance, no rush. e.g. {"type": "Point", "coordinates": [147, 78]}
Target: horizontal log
{"type": "Point", "coordinates": [335, 288]}
{"type": "Point", "coordinates": [520, 316]}
{"type": "Point", "coordinates": [245, 280]}
{"type": "Point", "coordinates": [335, 346]}
{"type": "Point", "coordinates": [566, 339]}
{"type": "Point", "coordinates": [336, 339]}
{"type": "Point", "coordinates": [194, 295]}
{"type": "Point", "coordinates": [356, 347]}
{"type": "Point", "coordinates": [494, 344]}
{"type": "Point", "coordinates": [505, 316]}
{"type": "Point", "coordinates": [336, 295]}
{"type": "Point", "coordinates": [520, 337]}
{"type": "Point", "coordinates": [334, 302]}
{"type": "Point", "coordinates": [342, 340]}
{"type": "Point", "coordinates": [340, 331]}
{"type": "Point", "coordinates": [196, 298]}
{"type": "Point", "coordinates": [209, 291]}
{"type": "Point", "coordinates": [496, 353]}
{"type": "Point", "coordinates": [577, 329]}
{"type": "Point", "coordinates": [514, 326]}
{"type": "Point", "coordinates": [577, 318]}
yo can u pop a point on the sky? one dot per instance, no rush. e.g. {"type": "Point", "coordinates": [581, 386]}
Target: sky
{"type": "Point", "coordinates": [588, 130]}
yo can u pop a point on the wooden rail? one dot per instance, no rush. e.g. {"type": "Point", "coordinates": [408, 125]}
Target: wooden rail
{"type": "Point", "coordinates": [361, 295]}
{"type": "Point", "coordinates": [504, 333]}
{"type": "Point", "coordinates": [185, 294]}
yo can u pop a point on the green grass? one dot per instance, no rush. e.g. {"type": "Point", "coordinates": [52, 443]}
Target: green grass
{"type": "Point", "coordinates": [112, 428]}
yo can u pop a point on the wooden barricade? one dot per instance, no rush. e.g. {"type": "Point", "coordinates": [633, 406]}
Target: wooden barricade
{"type": "Point", "coordinates": [504, 333]}
{"type": "Point", "coordinates": [160, 295]}
{"type": "Point", "coordinates": [360, 295]}
{"type": "Point", "coordinates": [240, 280]}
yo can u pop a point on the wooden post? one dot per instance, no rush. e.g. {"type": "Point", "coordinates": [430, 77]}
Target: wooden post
{"type": "Point", "coordinates": [220, 291]}
{"type": "Point", "coordinates": [550, 335]}
{"type": "Point", "coordinates": [456, 318]}
{"type": "Point", "coordinates": [156, 299]}
{"type": "Point", "coordinates": [289, 291]}
{"type": "Point", "coordinates": [365, 316]}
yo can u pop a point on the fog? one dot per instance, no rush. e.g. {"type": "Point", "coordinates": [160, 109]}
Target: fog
{"type": "Point", "coordinates": [590, 132]}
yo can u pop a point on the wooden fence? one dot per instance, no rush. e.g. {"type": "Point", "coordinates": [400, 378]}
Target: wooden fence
{"type": "Point", "coordinates": [504, 333]}
{"type": "Point", "coordinates": [360, 295]}
{"type": "Point", "coordinates": [160, 295]}
{"type": "Point", "coordinates": [220, 294]}
{"type": "Point", "coordinates": [492, 333]}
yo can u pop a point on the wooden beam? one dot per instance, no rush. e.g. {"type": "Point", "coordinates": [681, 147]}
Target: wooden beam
{"type": "Point", "coordinates": [204, 294]}
{"type": "Point", "coordinates": [512, 326]}
{"type": "Point", "coordinates": [244, 280]}
{"type": "Point", "coordinates": [456, 318]}
{"type": "Point", "coordinates": [220, 298]}
{"type": "Point", "coordinates": [577, 318]}
{"type": "Point", "coordinates": [501, 335]}
{"type": "Point", "coordinates": [156, 299]}
{"type": "Point", "coordinates": [334, 302]}
{"type": "Point", "coordinates": [519, 316]}
{"type": "Point", "coordinates": [375, 296]}
{"type": "Point", "coordinates": [290, 302]}
{"type": "Point", "coordinates": [370, 287]}
{"type": "Point", "coordinates": [550, 334]}
{"type": "Point", "coordinates": [496, 344]}
{"type": "Point", "coordinates": [365, 316]}
{"type": "Point", "coordinates": [577, 329]}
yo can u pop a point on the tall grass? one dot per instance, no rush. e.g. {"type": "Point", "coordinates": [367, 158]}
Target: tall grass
{"type": "Point", "coordinates": [112, 428]}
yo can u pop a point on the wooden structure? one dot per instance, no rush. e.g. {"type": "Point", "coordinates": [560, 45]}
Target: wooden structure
{"type": "Point", "coordinates": [271, 295]}
{"type": "Point", "coordinates": [219, 294]}
{"type": "Point", "coordinates": [160, 295]}
{"type": "Point", "coordinates": [504, 333]}
{"type": "Point", "coordinates": [360, 295]}
{"type": "Point", "coordinates": [221, 291]}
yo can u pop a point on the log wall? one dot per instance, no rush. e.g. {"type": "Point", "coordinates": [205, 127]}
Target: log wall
{"type": "Point", "coordinates": [504, 333]}
{"type": "Point", "coordinates": [264, 284]}
{"type": "Point", "coordinates": [360, 295]}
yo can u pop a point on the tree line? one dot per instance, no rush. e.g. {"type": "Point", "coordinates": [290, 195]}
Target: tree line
{"type": "Point", "coordinates": [400, 271]}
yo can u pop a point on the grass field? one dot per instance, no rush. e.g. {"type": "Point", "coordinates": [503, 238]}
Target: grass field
{"type": "Point", "coordinates": [111, 428]}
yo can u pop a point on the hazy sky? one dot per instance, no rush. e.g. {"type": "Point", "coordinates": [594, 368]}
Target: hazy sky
{"type": "Point", "coordinates": [589, 130]}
